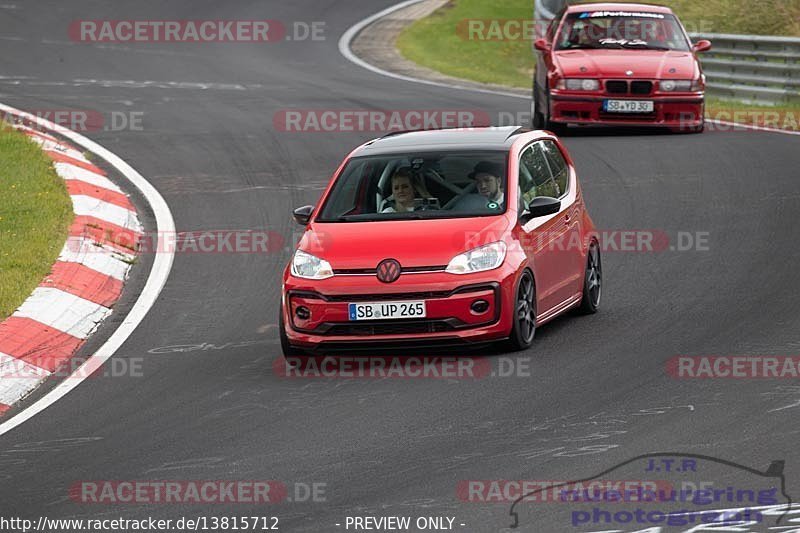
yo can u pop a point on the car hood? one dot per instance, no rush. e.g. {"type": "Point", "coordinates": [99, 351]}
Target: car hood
{"type": "Point", "coordinates": [414, 243]}
{"type": "Point", "coordinates": [648, 64]}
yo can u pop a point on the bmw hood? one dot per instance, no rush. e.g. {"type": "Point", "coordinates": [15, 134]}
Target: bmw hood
{"type": "Point", "coordinates": [645, 64]}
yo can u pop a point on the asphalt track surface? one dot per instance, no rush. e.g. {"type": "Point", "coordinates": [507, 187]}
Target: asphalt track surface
{"type": "Point", "coordinates": [389, 447]}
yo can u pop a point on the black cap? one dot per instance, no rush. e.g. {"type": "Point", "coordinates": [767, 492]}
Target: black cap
{"type": "Point", "coordinates": [487, 167]}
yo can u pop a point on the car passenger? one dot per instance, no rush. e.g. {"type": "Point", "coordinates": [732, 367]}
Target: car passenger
{"type": "Point", "coordinates": [487, 178]}
{"type": "Point", "coordinates": [404, 189]}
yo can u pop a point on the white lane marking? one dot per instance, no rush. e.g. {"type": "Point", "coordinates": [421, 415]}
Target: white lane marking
{"type": "Point", "coordinates": [162, 264]}
{"type": "Point", "coordinates": [347, 39]}
{"type": "Point", "coordinates": [94, 207]}
{"type": "Point", "coordinates": [73, 172]}
{"type": "Point", "coordinates": [103, 259]}
{"type": "Point", "coordinates": [63, 311]}
{"type": "Point", "coordinates": [751, 127]}
{"type": "Point", "coordinates": [18, 378]}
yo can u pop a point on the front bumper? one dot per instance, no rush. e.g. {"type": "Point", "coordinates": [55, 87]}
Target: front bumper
{"type": "Point", "coordinates": [449, 320]}
{"type": "Point", "coordinates": [669, 111]}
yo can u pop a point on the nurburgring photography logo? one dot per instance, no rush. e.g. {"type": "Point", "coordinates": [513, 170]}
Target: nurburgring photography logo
{"type": "Point", "coordinates": [684, 490]}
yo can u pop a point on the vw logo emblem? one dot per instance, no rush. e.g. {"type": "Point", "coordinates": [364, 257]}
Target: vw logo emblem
{"type": "Point", "coordinates": [388, 270]}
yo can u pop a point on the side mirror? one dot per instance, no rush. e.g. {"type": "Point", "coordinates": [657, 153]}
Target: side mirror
{"type": "Point", "coordinates": [540, 207]}
{"type": "Point", "coordinates": [541, 45]}
{"type": "Point", "coordinates": [702, 46]}
{"type": "Point", "coordinates": [303, 214]}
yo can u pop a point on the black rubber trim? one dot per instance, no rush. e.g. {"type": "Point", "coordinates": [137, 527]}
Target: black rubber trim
{"type": "Point", "coordinates": [493, 286]}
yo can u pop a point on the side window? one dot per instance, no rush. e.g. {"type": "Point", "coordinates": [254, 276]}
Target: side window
{"type": "Point", "coordinates": [535, 178]}
{"type": "Point", "coordinates": [349, 200]}
{"type": "Point", "coordinates": [558, 166]}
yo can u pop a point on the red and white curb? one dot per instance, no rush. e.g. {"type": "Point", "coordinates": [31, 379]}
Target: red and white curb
{"type": "Point", "coordinates": [85, 282]}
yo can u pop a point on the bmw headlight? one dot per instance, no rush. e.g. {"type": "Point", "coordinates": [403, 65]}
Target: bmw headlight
{"type": "Point", "coordinates": [308, 266]}
{"type": "Point", "coordinates": [669, 86]}
{"type": "Point", "coordinates": [582, 85]}
{"type": "Point", "coordinates": [480, 259]}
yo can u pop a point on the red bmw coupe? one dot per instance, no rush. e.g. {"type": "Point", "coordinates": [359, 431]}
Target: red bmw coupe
{"type": "Point", "coordinates": [441, 238]}
{"type": "Point", "coordinates": [618, 64]}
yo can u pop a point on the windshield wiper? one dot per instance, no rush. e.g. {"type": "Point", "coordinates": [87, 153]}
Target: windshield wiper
{"type": "Point", "coordinates": [582, 47]}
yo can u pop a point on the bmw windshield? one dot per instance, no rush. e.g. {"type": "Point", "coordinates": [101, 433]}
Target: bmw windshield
{"type": "Point", "coordinates": [622, 30]}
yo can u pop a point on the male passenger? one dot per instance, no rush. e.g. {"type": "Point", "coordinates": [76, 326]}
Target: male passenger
{"type": "Point", "coordinates": [487, 179]}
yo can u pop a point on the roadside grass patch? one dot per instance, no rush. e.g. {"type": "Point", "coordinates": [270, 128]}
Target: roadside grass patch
{"type": "Point", "coordinates": [35, 214]}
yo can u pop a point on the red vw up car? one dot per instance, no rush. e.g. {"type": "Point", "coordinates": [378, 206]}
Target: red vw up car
{"type": "Point", "coordinates": [441, 238]}
{"type": "Point", "coordinates": [618, 64]}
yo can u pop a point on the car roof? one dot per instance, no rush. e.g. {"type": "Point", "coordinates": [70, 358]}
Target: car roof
{"type": "Point", "coordinates": [646, 8]}
{"type": "Point", "coordinates": [490, 138]}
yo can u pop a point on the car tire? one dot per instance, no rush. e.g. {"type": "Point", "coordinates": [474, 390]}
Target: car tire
{"type": "Point", "coordinates": [698, 129]}
{"type": "Point", "coordinates": [293, 355]}
{"type": "Point", "coordinates": [538, 121]}
{"type": "Point", "coordinates": [523, 314]}
{"type": "Point", "coordinates": [555, 127]}
{"type": "Point", "coordinates": [592, 281]}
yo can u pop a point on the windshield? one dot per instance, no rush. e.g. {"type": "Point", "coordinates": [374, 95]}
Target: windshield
{"type": "Point", "coordinates": [418, 186]}
{"type": "Point", "coordinates": [621, 29]}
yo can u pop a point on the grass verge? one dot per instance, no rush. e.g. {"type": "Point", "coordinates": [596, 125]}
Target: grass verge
{"type": "Point", "coordinates": [35, 214]}
{"type": "Point", "coordinates": [437, 43]}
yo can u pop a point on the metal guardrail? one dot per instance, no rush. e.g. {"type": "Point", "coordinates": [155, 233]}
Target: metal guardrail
{"type": "Point", "coordinates": [752, 67]}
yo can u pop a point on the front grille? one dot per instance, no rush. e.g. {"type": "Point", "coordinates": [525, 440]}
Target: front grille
{"type": "Point", "coordinates": [641, 87]}
{"type": "Point", "coordinates": [389, 297]}
{"type": "Point", "coordinates": [617, 87]}
{"type": "Point", "coordinates": [374, 271]}
{"type": "Point", "coordinates": [386, 328]}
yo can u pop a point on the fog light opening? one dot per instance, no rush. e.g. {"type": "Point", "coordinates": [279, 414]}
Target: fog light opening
{"type": "Point", "coordinates": [303, 313]}
{"type": "Point", "coordinates": [479, 307]}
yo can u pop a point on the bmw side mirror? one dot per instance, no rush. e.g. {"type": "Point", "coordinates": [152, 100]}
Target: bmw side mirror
{"type": "Point", "coordinates": [702, 46]}
{"type": "Point", "coordinates": [540, 207]}
{"type": "Point", "coordinates": [541, 45]}
{"type": "Point", "coordinates": [303, 214]}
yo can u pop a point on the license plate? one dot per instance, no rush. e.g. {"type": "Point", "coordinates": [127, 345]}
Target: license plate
{"type": "Point", "coordinates": [628, 106]}
{"type": "Point", "coordinates": [387, 310]}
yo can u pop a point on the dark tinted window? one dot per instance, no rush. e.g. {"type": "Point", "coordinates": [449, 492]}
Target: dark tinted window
{"type": "Point", "coordinates": [418, 186]}
{"type": "Point", "coordinates": [535, 178]}
{"type": "Point", "coordinates": [622, 29]}
{"type": "Point", "coordinates": [558, 167]}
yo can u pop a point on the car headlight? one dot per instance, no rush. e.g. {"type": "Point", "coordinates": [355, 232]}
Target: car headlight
{"type": "Point", "coordinates": [582, 85]}
{"type": "Point", "coordinates": [307, 266]}
{"type": "Point", "coordinates": [487, 257]}
{"type": "Point", "coordinates": [669, 86]}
